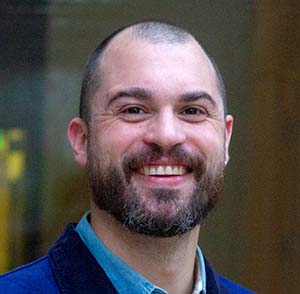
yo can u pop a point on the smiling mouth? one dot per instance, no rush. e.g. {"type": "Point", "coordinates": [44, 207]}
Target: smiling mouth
{"type": "Point", "coordinates": [163, 170]}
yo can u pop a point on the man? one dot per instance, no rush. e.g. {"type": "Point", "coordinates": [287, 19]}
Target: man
{"type": "Point", "coordinates": [154, 135]}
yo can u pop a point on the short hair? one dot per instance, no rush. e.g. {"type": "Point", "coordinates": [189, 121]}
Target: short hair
{"type": "Point", "coordinates": [152, 31]}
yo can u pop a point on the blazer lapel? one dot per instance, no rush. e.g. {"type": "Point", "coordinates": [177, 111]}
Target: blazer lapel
{"type": "Point", "coordinates": [74, 267]}
{"type": "Point", "coordinates": [213, 283]}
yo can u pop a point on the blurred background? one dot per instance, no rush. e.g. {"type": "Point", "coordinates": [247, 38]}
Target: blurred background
{"type": "Point", "coordinates": [254, 235]}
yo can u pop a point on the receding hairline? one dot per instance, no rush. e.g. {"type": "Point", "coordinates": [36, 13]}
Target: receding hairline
{"type": "Point", "coordinates": [152, 33]}
{"type": "Point", "coordinates": [156, 32]}
{"type": "Point", "coordinates": [144, 32]}
{"type": "Point", "coordinates": [136, 33]}
{"type": "Point", "coordinates": [147, 32]}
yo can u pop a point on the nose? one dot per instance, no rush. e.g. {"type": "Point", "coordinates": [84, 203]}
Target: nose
{"type": "Point", "coordinates": [165, 130]}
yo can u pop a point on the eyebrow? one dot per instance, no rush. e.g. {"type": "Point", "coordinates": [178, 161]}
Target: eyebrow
{"type": "Point", "coordinates": [136, 92]}
{"type": "Point", "coordinates": [197, 95]}
{"type": "Point", "coordinates": [144, 94]}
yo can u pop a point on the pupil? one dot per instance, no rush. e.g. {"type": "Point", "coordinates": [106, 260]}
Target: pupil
{"type": "Point", "coordinates": [191, 111]}
{"type": "Point", "coordinates": [134, 110]}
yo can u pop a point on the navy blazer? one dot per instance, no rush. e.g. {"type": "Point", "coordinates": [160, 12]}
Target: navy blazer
{"type": "Point", "coordinates": [70, 268]}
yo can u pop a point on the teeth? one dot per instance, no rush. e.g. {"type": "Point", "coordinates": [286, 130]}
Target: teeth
{"type": "Point", "coordinates": [163, 170]}
{"type": "Point", "coordinates": [175, 170]}
{"type": "Point", "coordinates": [180, 170]}
{"type": "Point", "coordinates": [152, 171]}
{"type": "Point", "coordinates": [146, 171]}
{"type": "Point", "coordinates": [160, 170]}
{"type": "Point", "coordinates": [168, 170]}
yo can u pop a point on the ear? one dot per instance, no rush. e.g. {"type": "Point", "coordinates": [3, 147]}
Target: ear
{"type": "Point", "coordinates": [228, 132]}
{"type": "Point", "coordinates": [77, 135]}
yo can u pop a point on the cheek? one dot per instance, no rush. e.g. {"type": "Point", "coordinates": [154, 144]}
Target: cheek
{"type": "Point", "coordinates": [209, 142]}
{"type": "Point", "coordinates": [119, 140]}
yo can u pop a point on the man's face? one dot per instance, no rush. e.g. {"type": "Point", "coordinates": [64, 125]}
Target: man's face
{"type": "Point", "coordinates": [157, 137]}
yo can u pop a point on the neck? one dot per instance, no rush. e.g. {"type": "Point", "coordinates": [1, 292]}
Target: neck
{"type": "Point", "coordinates": [166, 262]}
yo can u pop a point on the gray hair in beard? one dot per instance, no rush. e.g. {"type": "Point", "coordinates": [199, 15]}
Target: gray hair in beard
{"type": "Point", "coordinates": [113, 192]}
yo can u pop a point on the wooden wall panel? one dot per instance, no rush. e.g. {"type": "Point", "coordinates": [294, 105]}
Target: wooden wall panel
{"type": "Point", "coordinates": [274, 220]}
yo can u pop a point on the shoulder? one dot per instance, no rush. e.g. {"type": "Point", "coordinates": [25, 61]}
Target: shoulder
{"type": "Point", "coordinates": [216, 283]}
{"type": "Point", "coordinates": [232, 287]}
{"type": "Point", "coordinates": [35, 277]}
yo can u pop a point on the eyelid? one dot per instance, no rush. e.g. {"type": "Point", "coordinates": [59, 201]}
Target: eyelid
{"type": "Point", "coordinates": [128, 106]}
{"type": "Point", "coordinates": [201, 115]}
{"type": "Point", "coordinates": [199, 108]}
{"type": "Point", "coordinates": [126, 116]}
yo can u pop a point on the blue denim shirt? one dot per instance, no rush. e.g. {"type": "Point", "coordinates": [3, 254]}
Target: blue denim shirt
{"type": "Point", "coordinates": [124, 278]}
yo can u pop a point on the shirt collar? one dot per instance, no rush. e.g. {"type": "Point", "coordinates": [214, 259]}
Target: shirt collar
{"type": "Point", "coordinates": [124, 278]}
{"type": "Point", "coordinates": [200, 283]}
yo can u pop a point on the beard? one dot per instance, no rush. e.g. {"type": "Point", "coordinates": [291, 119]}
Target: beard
{"type": "Point", "coordinates": [114, 192]}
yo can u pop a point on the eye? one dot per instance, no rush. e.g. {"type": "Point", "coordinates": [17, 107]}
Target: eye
{"type": "Point", "coordinates": [194, 114]}
{"type": "Point", "coordinates": [194, 111]}
{"type": "Point", "coordinates": [133, 113]}
{"type": "Point", "coordinates": [133, 110]}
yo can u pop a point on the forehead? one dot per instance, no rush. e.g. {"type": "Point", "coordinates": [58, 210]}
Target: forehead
{"type": "Point", "coordinates": [166, 69]}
